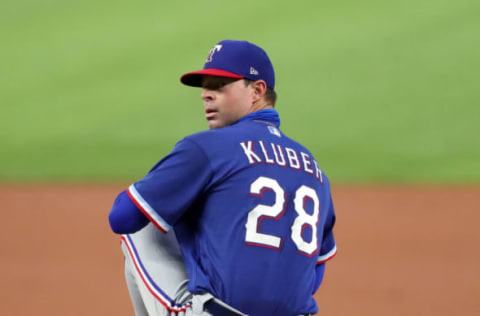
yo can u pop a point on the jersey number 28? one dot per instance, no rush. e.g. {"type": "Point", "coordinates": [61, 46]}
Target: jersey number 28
{"type": "Point", "coordinates": [256, 215]}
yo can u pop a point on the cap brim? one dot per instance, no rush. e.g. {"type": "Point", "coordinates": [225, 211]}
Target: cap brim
{"type": "Point", "coordinates": [194, 79]}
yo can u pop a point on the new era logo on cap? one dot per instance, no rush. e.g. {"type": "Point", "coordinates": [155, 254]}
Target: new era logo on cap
{"type": "Point", "coordinates": [234, 59]}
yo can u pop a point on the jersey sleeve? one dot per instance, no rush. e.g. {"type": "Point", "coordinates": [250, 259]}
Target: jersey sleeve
{"type": "Point", "coordinates": [172, 185]}
{"type": "Point", "coordinates": [125, 217]}
{"type": "Point", "coordinates": [328, 248]}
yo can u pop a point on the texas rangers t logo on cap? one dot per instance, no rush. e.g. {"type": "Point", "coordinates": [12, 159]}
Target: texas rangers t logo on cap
{"type": "Point", "coordinates": [214, 49]}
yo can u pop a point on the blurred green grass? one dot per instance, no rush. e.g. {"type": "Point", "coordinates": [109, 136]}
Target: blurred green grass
{"type": "Point", "coordinates": [381, 92]}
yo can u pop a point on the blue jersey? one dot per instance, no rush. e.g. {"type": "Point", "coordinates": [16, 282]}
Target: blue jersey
{"type": "Point", "coordinates": [252, 212]}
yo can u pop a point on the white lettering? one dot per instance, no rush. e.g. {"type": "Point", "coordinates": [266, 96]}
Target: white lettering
{"type": "Point", "coordinates": [319, 173]}
{"type": "Point", "coordinates": [267, 159]}
{"type": "Point", "coordinates": [292, 158]}
{"type": "Point", "coordinates": [280, 156]}
{"type": "Point", "coordinates": [251, 155]}
{"type": "Point", "coordinates": [282, 162]}
{"type": "Point", "coordinates": [306, 163]}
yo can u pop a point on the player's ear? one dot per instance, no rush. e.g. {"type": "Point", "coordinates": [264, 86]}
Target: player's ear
{"type": "Point", "coordinates": [259, 89]}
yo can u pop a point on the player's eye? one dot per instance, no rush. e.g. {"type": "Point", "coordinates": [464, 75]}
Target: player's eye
{"type": "Point", "coordinates": [220, 85]}
{"type": "Point", "coordinates": [211, 85]}
{"type": "Point", "coordinates": [217, 84]}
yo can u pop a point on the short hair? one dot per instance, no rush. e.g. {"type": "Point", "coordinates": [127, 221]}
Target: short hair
{"type": "Point", "coordinates": [270, 94]}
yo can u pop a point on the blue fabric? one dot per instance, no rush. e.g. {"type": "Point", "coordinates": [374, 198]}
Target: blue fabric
{"type": "Point", "coordinates": [328, 238]}
{"type": "Point", "coordinates": [268, 115]}
{"type": "Point", "coordinates": [319, 272]}
{"type": "Point", "coordinates": [173, 184]}
{"type": "Point", "coordinates": [125, 217]}
{"type": "Point", "coordinates": [204, 189]}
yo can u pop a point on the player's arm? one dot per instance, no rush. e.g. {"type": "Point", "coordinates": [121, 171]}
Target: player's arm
{"type": "Point", "coordinates": [165, 193]}
{"type": "Point", "coordinates": [125, 217]}
{"type": "Point", "coordinates": [319, 272]}
{"type": "Point", "coordinates": [328, 249]}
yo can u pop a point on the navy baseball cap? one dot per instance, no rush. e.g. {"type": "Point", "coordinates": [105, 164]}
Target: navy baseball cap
{"type": "Point", "coordinates": [234, 59]}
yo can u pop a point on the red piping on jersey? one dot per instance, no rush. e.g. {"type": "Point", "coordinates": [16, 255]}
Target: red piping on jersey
{"type": "Point", "coordinates": [145, 212]}
{"type": "Point", "coordinates": [327, 259]}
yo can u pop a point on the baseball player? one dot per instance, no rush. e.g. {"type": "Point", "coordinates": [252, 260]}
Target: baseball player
{"type": "Point", "coordinates": [236, 220]}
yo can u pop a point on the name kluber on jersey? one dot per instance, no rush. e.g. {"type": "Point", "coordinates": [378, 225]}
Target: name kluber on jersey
{"type": "Point", "coordinates": [275, 154]}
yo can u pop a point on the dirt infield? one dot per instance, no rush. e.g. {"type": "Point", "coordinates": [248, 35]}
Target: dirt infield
{"type": "Point", "coordinates": [401, 251]}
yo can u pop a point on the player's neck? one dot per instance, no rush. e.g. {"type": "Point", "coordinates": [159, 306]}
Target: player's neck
{"type": "Point", "coordinates": [260, 105]}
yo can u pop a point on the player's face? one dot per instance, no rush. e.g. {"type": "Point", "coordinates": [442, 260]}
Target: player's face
{"type": "Point", "coordinates": [225, 100]}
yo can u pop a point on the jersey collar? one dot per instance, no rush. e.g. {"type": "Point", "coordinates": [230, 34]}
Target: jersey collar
{"type": "Point", "coordinates": [269, 116]}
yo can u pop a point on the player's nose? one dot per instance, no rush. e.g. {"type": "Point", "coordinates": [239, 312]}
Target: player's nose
{"type": "Point", "coordinates": [207, 95]}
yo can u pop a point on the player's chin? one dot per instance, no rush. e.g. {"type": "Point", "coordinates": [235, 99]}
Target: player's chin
{"type": "Point", "coordinates": [212, 123]}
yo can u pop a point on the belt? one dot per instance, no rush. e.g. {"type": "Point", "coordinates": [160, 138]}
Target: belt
{"type": "Point", "coordinates": [216, 309]}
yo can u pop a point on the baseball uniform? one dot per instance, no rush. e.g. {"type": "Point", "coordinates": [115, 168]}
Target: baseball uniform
{"type": "Point", "coordinates": [250, 207]}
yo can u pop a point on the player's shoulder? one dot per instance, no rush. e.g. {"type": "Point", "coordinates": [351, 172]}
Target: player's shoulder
{"type": "Point", "coordinates": [218, 136]}
{"type": "Point", "coordinates": [295, 143]}
{"type": "Point", "coordinates": [302, 149]}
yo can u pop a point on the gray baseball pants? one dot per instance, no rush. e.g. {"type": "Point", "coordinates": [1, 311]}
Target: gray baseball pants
{"type": "Point", "coordinates": [156, 276]}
